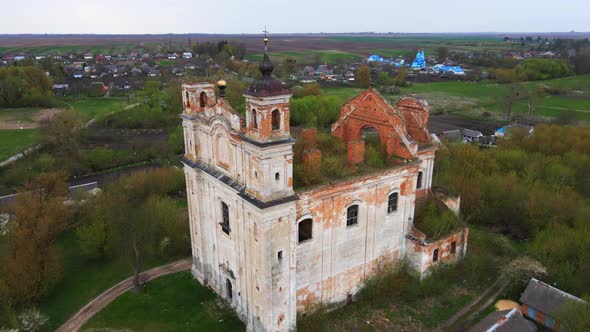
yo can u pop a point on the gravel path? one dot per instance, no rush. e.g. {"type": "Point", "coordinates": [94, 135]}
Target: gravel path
{"type": "Point", "coordinates": [81, 317]}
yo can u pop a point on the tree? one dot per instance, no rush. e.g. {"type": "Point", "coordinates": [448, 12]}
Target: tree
{"type": "Point", "coordinates": [62, 134]}
{"type": "Point", "coordinates": [520, 270]}
{"type": "Point", "coordinates": [134, 218]}
{"type": "Point", "coordinates": [575, 316]}
{"type": "Point", "coordinates": [510, 96]}
{"type": "Point", "coordinates": [363, 76]}
{"type": "Point", "coordinates": [25, 86]}
{"type": "Point", "coordinates": [443, 54]}
{"type": "Point", "coordinates": [291, 65]}
{"type": "Point", "coordinates": [542, 69]}
{"type": "Point", "coordinates": [582, 61]}
{"type": "Point", "coordinates": [31, 264]}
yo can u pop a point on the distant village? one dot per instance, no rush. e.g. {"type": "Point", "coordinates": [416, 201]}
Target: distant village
{"type": "Point", "coordinates": [112, 74]}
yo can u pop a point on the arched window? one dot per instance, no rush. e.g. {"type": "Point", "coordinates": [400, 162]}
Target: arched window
{"type": "Point", "coordinates": [435, 255]}
{"type": "Point", "coordinates": [228, 287]}
{"type": "Point", "coordinates": [276, 120]}
{"type": "Point", "coordinates": [203, 99]}
{"type": "Point", "coordinates": [392, 203]}
{"type": "Point", "coordinates": [352, 215]}
{"type": "Point", "coordinates": [419, 180]}
{"type": "Point", "coordinates": [305, 229]}
{"type": "Point", "coordinates": [253, 121]}
{"type": "Point", "coordinates": [225, 218]}
{"type": "Point", "coordinates": [188, 100]}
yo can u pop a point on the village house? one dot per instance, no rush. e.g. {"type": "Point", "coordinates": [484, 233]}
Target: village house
{"type": "Point", "coordinates": [543, 303]}
{"type": "Point", "coordinates": [504, 321]}
{"type": "Point", "coordinates": [272, 251]}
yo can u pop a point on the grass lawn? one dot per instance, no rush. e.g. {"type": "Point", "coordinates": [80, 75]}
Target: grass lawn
{"type": "Point", "coordinates": [93, 107]}
{"type": "Point", "coordinates": [82, 280]}
{"type": "Point", "coordinates": [21, 115]}
{"type": "Point", "coordinates": [308, 57]}
{"type": "Point", "coordinates": [175, 302]}
{"type": "Point", "coordinates": [15, 141]}
{"type": "Point", "coordinates": [473, 98]}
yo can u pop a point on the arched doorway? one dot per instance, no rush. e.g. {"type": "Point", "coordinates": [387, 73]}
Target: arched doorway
{"type": "Point", "coordinates": [375, 150]}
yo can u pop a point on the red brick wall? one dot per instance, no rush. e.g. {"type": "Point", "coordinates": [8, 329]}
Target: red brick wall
{"type": "Point", "coordinates": [356, 152]}
{"type": "Point", "coordinates": [369, 110]}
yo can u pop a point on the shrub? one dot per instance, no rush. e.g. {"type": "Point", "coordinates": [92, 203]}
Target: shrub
{"type": "Point", "coordinates": [436, 221]}
{"type": "Point", "coordinates": [391, 281]}
{"type": "Point", "coordinates": [506, 75]}
{"type": "Point", "coordinates": [542, 69]}
{"type": "Point", "coordinates": [373, 156]}
{"type": "Point", "coordinates": [25, 86]}
{"type": "Point", "coordinates": [32, 320]}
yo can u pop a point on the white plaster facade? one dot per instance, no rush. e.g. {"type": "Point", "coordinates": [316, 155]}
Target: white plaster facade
{"type": "Point", "coordinates": [244, 213]}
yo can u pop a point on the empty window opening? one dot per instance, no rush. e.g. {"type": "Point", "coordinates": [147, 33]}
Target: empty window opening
{"type": "Point", "coordinates": [188, 101]}
{"type": "Point", "coordinates": [276, 120]}
{"type": "Point", "coordinates": [203, 99]}
{"type": "Point", "coordinates": [225, 218]}
{"type": "Point", "coordinates": [352, 215]}
{"type": "Point", "coordinates": [228, 287]}
{"type": "Point", "coordinates": [280, 255]}
{"type": "Point", "coordinates": [419, 180]}
{"type": "Point", "coordinates": [453, 247]}
{"type": "Point", "coordinates": [277, 176]}
{"type": "Point", "coordinates": [392, 203]}
{"type": "Point", "coordinates": [435, 255]}
{"type": "Point", "coordinates": [305, 229]}
{"type": "Point", "coordinates": [253, 119]}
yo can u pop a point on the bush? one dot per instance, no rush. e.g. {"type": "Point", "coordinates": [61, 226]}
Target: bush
{"type": "Point", "coordinates": [315, 111]}
{"type": "Point", "coordinates": [32, 320]}
{"type": "Point", "coordinates": [138, 118]}
{"type": "Point", "coordinates": [25, 86]}
{"type": "Point", "coordinates": [506, 75]}
{"type": "Point", "coordinates": [542, 69]}
{"type": "Point", "coordinates": [390, 282]}
{"type": "Point", "coordinates": [176, 140]}
{"type": "Point", "coordinates": [436, 221]}
{"type": "Point", "coordinates": [102, 158]}
{"type": "Point", "coordinates": [373, 156]}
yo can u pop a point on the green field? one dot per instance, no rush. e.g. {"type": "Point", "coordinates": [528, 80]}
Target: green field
{"type": "Point", "coordinates": [15, 141]}
{"type": "Point", "coordinates": [472, 99]}
{"type": "Point", "coordinates": [309, 57]}
{"type": "Point", "coordinates": [82, 280]}
{"type": "Point", "coordinates": [89, 108]}
{"type": "Point", "coordinates": [430, 43]}
{"type": "Point", "coordinates": [172, 303]}
{"type": "Point", "coordinates": [113, 49]}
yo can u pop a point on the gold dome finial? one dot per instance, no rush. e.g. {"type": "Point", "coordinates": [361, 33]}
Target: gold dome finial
{"type": "Point", "coordinates": [221, 84]}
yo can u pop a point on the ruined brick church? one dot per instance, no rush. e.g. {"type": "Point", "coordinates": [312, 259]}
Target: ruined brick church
{"type": "Point", "coordinates": [269, 250]}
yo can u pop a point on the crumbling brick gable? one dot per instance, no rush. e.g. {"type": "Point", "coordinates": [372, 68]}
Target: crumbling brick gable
{"type": "Point", "coordinates": [415, 111]}
{"type": "Point", "coordinates": [369, 109]}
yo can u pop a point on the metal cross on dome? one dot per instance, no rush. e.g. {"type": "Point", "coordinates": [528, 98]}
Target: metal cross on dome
{"type": "Point", "coordinates": [265, 39]}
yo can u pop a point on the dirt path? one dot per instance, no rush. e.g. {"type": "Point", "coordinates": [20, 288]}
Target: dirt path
{"type": "Point", "coordinates": [474, 308]}
{"type": "Point", "coordinates": [81, 317]}
{"type": "Point", "coordinates": [14, 122]}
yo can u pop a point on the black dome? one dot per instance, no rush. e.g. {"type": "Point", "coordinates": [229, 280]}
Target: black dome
{"type": "Point", "coordinates": [268, 85]}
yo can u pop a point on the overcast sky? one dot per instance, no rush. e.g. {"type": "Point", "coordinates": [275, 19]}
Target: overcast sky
{"type": "Point", "coordinates": [281, 16]}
